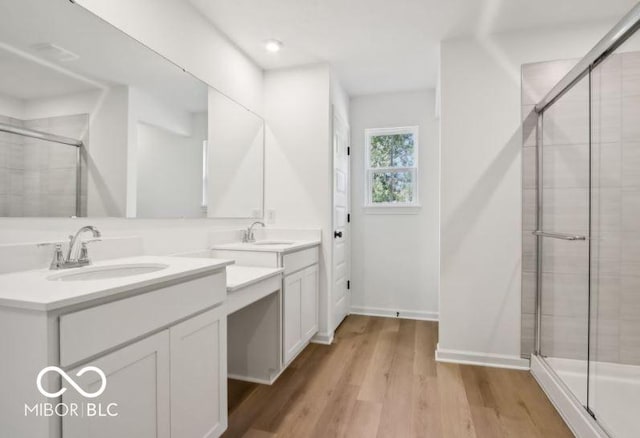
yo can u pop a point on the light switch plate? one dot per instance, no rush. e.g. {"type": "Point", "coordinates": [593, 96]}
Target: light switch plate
{"type": "Point", "coordinates": [271, 216]}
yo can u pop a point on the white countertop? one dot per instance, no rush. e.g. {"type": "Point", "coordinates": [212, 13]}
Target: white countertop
{"type": "Point", "coordinates": [296, 245]}
{"type": "Point", "coordinates": [32, 289]}
{"type": "Point", "coordinates": [243, 276]}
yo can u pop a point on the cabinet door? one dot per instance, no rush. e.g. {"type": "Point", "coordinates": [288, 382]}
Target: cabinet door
{"type": "Point", "coordinates": [309, 305]}
{"type": "Point", "coordinates": [137, 379]}
{"type": "Point", "coordinates": [199, 376]}
{"type": "Point", "coordinates": [292, 330]}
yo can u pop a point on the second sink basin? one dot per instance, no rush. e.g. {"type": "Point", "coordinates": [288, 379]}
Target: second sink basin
{"type": "Point", "coordinates": [104, 272]}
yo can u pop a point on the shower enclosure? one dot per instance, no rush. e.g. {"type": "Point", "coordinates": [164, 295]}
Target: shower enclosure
{"type": "Point", "coordinates": [584, 147]}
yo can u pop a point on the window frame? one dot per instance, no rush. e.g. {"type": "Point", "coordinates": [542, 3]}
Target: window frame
{"type": "Point", "coordinates": [370, 171]}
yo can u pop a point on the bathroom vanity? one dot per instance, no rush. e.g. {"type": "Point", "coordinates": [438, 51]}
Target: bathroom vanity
{"type": "Point", "coordinates": [155, 326]}
{"type": "Point", "coordinates": [299, 261]}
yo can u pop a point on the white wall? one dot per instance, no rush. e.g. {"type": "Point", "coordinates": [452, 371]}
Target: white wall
{"type": "Point", "coordinates": [395, 257]}
{"type": "Point", "coordinates": [11, 107]}
{"type": "Point", "coordinates": [481, 144]}
{"type": "Point", "coordinates": [177, 31]}
{"type": "Point", "coordinates": [236, 157]}
{"type": "Point", "coordinates": [169, 173]}
{"type": "Point", "coordinates": [298, 159]}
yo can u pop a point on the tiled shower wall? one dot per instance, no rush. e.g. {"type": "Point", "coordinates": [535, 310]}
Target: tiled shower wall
{"type": "Point", "coordinates": [38, 178]}
{"type": "Point", "coordinates": [615, 197]}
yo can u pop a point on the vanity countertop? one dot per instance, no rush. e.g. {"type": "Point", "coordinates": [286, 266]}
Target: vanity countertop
{"type": "Point", "coordinates": [260, 246]}
{"type": "Point", "coordinates": [243, 276]}
{"type": "Point", "coordinates": [34, 290]}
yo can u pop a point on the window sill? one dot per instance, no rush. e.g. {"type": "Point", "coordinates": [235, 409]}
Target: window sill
{"type": "Point", "coordinates": [392, 209]}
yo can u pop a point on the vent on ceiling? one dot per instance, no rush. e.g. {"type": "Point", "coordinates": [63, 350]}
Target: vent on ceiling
{"type": "Point", "coordinates": [55, 53]}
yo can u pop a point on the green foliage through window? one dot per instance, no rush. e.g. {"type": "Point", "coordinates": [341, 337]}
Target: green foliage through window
{"type": "Point", "coordinates": [395, 150]}
{"type": "Point", "coordinates": [392, 187]}
{"type": "Point", "coordinates": [392, 166]}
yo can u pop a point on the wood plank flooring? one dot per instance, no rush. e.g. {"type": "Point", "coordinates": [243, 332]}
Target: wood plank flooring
{"type": "Point", "coordinates": [380, 379]}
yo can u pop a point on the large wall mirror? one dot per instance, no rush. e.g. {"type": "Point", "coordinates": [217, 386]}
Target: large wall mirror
{"type": "Point", "coordinates": [93, 123]}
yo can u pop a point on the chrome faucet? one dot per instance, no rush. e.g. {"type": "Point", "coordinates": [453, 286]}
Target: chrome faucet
{"type": "Point", "coordinates": [72, 260]}
{"type": "Point", "coordinates": [248, 236]}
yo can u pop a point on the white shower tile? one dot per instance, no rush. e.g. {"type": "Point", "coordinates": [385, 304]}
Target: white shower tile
{"type": "Point", "coordinates": [606, 210]}
{"type": "Point", "coordinates": [528, 252]}
{"type": "Point", "coordinates": [630, 297]}
{"type": "Point", "coordinates": [566, 166]}
{"type": "Point", "coordinates": [606, 117]}
{"type": "Point", "coordinates": [564, 337]}
{"type": "Point", "coordinates": [62, 181]}
{"type": "Point", "coordinates": [527, 343]}
{"type": "Point", "coordinates": [528, 292]}
{"type": "Point", "coordinates": [565, 257]}
{"type": "Point", "coordinates": [605, 340]}
{"type": "Point", "coordinates": [529, 168]}
{"type": "Point", "coordinates": [606, 164]}
{"type": "Point", "coordinates": [529, 124]}
{"type": "Point", "coordinates": [61, 205]}
{"type": "Point", "coordinates": [565, 210]}
{"type": "Point", "coordinates": [16, 182]}
{"type": "Point", "coordinates": [539, 78]}
{"type": "Point", "coordinates": [529, 211]}
{"type": "Point", "coordinates": [567, 122]}
{"type": "Point", "coordinates": [565, 294]}
{"type": "Point", "coordinates": [16, 157]}
{"type": "Point", "coordinates": [631, 164]}
{"type": "Point", "coordinates": [630, 342]}
{"type": "Point", "coordinates": [630, 117]}
{"type": "Point", "coordinates": [15, 206]}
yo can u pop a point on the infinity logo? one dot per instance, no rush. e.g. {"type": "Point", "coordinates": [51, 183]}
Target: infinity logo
{"type": "Point", "coordinates": [66, 377]}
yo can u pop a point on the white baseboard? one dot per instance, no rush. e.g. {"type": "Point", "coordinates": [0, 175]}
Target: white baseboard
{"type": "Point", "coordinates": [482, 359]}
{"type": "Point", "coordinates": [253, 379]}
{"type": "Point", "coordinates": [394, 313]}
{"type": "Point", "coordinates": [577, 418]}
{"type": "Point", "coordinates": [322, 338]}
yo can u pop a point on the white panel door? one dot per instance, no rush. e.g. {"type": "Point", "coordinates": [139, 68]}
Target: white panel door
{"type": "Point", "coordinates": [309, 302]}
{"type": "Point", "coordinates": [199, 376]}
{"type": "Point", "coordinates": [292, 297]}
{"type": "Point", "coordinates": [137, 380]}
{"type": "Point", "coordinates": [341, 302]}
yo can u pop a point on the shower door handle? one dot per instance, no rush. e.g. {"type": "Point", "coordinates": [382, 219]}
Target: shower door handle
{"type": "Point", "coordinates": [562, 236]}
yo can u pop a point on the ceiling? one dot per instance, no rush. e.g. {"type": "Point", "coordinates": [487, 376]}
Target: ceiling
{"type": "Point", "coordinates": [25, 79]}
{"type": "Point", "coordinates": [384, 45]}
{"type": "Point", "coordinates": [106, 56]}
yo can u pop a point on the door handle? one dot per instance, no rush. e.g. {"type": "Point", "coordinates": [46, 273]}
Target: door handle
{"type": "Point", "coordinates": [337, 234]}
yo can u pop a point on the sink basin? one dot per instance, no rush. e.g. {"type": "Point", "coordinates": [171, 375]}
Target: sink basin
{"type": "Point", "coordinates": [104, 272]}
{"type": "Point", "coordinates": [272, 242]}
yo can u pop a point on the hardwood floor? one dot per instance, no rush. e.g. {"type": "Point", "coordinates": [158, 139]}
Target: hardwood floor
{"type": "Point", "coordinates": [380, 379]}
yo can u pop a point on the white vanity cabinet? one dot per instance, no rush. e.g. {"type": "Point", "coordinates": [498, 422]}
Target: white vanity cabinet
{"type": "Point", "coordinates": [170, 384]}
{"type": "Point", "coordinates": [138, 381]}
{"type": "Point", "coordinates": [161, 344]}
{"type": "Point", "coordinates": [300, 286]}
{"type": "Point", "coordinates": [299, 301]}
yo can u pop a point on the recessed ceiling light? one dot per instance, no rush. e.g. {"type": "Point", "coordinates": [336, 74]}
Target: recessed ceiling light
{"type": "Point", "coordinates": [273, 46]}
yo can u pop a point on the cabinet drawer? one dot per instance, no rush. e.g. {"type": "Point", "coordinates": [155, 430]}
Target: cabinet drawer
{"type": "Point", "coordinates": [91, 331]}
{"type": "Point", "coordinates": [301, 259]}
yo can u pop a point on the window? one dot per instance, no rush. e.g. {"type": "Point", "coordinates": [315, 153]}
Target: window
{"type": "Point", "coordinates": [391, 167]}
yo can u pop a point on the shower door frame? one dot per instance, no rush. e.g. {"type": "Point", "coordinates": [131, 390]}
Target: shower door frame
{"type": "Point", "coordinates": [580, 418]}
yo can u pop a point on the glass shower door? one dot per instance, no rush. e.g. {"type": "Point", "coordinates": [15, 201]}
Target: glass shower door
{"type": "Point", "coordinates": [564, 182]}
{"type": "Point", "coordinates": [614, 353]}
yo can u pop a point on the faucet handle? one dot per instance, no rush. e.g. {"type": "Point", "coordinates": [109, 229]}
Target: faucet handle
{"type": "Point", "coordinates": [83, 257]}
{"type": "Point", "coordinates": [58, 257]}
